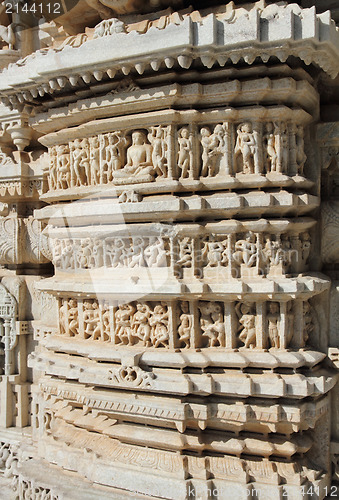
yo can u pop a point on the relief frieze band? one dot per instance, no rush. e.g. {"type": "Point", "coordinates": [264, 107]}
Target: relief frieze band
{"type": "Point", "coordinates": [270, 146]}
{"type": "Point", "coordinates": [191, 324]}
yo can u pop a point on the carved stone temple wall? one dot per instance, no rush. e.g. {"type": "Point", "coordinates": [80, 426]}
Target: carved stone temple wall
{"type": "Point", "coordinates": [169, 250]}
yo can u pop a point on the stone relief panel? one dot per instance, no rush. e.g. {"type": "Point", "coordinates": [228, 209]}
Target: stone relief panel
{"type": "Point", "coordinates": [172, 152]}
{"type": "Point", "coordinates": [228, 255]}
{"type": "Point", "coordinates": [191, 323]}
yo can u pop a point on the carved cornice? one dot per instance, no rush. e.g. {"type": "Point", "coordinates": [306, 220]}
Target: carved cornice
{"type": "Point", "coordinates": [264, 33]}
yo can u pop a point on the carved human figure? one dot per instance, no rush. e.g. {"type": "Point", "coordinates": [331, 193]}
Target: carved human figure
{"type": "Point", "coordinates": [141, 324]}
{"type": "Point", "coordinates": [270, 146]}
{"type": "Point", "coordinates": [211, 149]}
{"type": "Point", "coordinates": [57, 253]}
{"type": "Point", "coordinates": [115, 252]}
{"type": "Point", "coordinates": [273, 318]}
{"type": "Point", "coordinates": [159, 323]}
{"type": "Point", "coordinates": [63, 166]}
{"type": "Point", "coordinates": [246, 251]}
{"type": "Point", "coordinates": [300, 149]}
{"type": "Point", "coordinates": [185, 252]}
{"type": "Point", "coordinates": [155, 253]}
{"type": "Point", "coordinates": [212, 322]}
{"type": "Point", "coordinates": [139, 158]}
{"type": "Point", "coordinates": [135, 254]}
{"type": "Point", "coordinates": [63, 317]}
{"type": "Point", "coordinates": [123, 321]}
{"type": "Point", "coordinates": [68, 255]}
{"type": "Point", "coordinates": [246, 330]}
{"type": "Point", "coordinates": [185, 325]}
{"type": "Point", "coordinates": [53, 169]}
{"type": "Point", "coordinates": [73, 318]}
{"type": "Point", "coordinates": [305, 239]}
{"type": "Point", "coordinates": [277, 251]}
{"type": "Point", "coordinates": [113, 154]}
{"type": "Point", "coordinates": [159, 154]}
{"type": "Point", "coordinates": [215, 252]}
{"type": "Point", "coordinates": [80, 162]}
{"type": "Point", "coordinates": [247, 147]}
{"type": "Point", "coordinates": [92, 326]}
{"type": "Point", "coordinates": [85, 254]}
{"type": "Point", "coordinates": [185, 152]}
{"type": "Point", "coordinates": [106, 324]}
{"type": "Point", "coordinates": [282, 147]}
{"type": "Point", "coordinates": [94, 157]}
{"type": "Point", "coordinates": [308, 322]}
{"type": "Point", "coordinates": [97, 253]}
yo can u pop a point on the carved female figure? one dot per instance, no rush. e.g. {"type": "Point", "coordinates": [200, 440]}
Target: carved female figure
{"type": "Point", "coordinates": [185, 325]}
{"type": "Point", "coordinates": [246, 250]}
{"type": "Point", "coordinates": [94, 157]}
{"type": "Point", "coordinates": [247, 330]}
{"type": "Point", "coordinates": [247, 146]}
{"type": "Point", "coordinates": [115, 252]}
{"type": "Point", "coordinates": [141, 327]}
{"type": "Point", "coordinates": [159, 153]}
{"type": "Point", "coordinates": [92, 320]}
{"type": "Point", "coordinates": [282, 147]}
{"type": "Point", "coordinates": [53, 169]}
{"type": "Point", "coordinates": [211, 149]}
{"type": "Point", "coordinates": [81, 165]}
{"type": "Point", "coordinates": [73, 318]}
{"type": "Point", "coordinates": [300, 152]}
{"type": "Point", "coordinates": [135, 254]}
{"type": "Point", "coordinates": [159, 323]}
{"type": "Point", "coordinates": [63, 166]}
{"type": "Point", "coordinates": [273, 324]}
{"type": "Point", "coordinates": [185, 252]}
{"type": "Point", "coordinates": [155, 253]}
{"type": "Point", "coordinates": [123, 320]}
{"type": "Point", "coordinates": [215, 253]}
{"type": "Point", "coordinates": [305, 246]}
{"type": "Point", "coordinates": [185, 152]}
{"type": "Point", "coordinates": [269, 139]}
{"type": "Point", "coordinates": [211, 322]}
{"type": "Point", "coordinates": [113, 153]}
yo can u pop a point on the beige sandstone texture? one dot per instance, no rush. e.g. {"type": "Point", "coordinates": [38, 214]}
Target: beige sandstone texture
{"type": "Point", "coordinates": [169, 251]}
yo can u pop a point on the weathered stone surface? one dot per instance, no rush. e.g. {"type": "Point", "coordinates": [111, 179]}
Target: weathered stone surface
{"type": "Point", "coordinates": [169, 252]}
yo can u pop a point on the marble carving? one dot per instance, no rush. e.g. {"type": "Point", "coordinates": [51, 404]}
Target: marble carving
{"type": "Point", "coordinates": [169, 236]}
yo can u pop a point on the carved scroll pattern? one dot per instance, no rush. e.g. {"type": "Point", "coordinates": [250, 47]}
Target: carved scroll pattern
{"type": "Point", "coordinates": [171, 152]}
{"type": "Point", "coordinates": [191, 324]}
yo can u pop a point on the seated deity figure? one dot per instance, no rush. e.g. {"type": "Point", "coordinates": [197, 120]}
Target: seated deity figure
{"type": "Point", "coordinates": [139, 161]}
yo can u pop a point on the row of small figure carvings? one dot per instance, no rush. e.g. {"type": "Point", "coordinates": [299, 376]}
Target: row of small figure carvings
{"type": "Point", "coordinates": [190, 324]}
{"type": "Point", "coordinates": [166, 152]}
{"type": "Point", "coordinates": [233, 255]}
